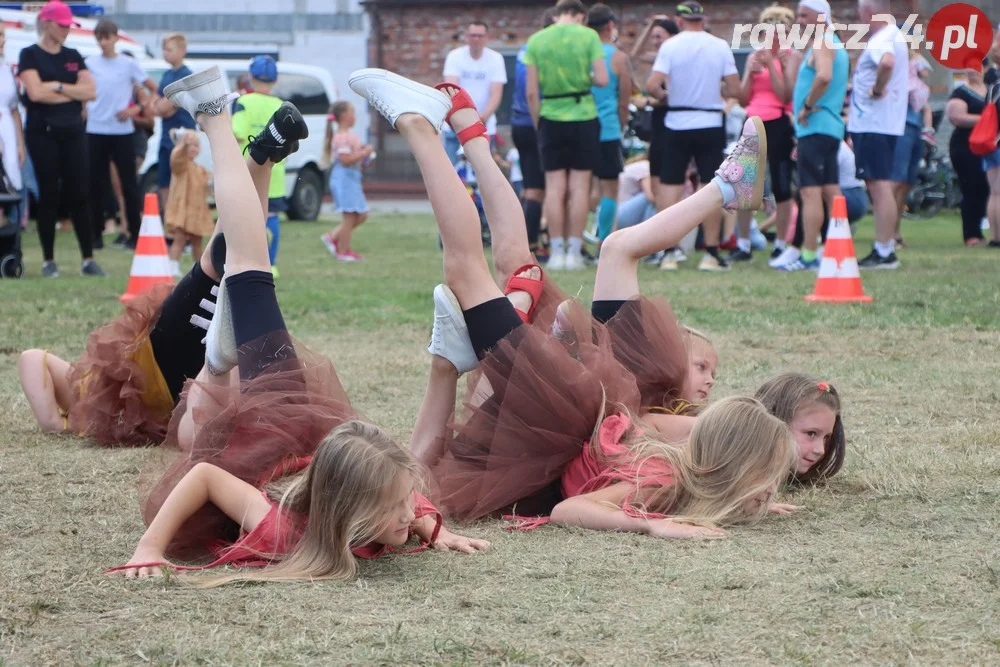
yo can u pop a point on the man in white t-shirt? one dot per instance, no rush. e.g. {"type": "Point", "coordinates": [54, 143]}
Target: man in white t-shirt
{"type": "Point", "coordinates": [482, 72]}
{"type": "Point", "coordinates": [692, 71]}
{"type": "Point", "coordinates": [880, 95]}
{"type": "Point", "coordinates": [110, 128]}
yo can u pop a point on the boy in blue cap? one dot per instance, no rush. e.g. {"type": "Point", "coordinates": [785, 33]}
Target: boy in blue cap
{"type": "Point", "coordinates": [250, 116]}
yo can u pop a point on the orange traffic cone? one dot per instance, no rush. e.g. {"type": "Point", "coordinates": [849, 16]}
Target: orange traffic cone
{"type": "Point", "coordinates": [150, 265]}
{"type": "Point", "coordinates": [839, 278]}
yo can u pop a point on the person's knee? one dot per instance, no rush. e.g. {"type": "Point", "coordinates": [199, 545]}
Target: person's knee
{"type": "Point", "coordinates": [30, 361]}
{"type": "Point", "coordinates": [615, 248]}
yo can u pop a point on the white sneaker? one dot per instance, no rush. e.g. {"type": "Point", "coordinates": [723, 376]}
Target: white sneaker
{"type": "Point", "coordinates": [788, 255]}
{"type": "Point", "coordinates": [668, 263]}
{"type": "Point", "coordinates": [557, 262]}
{"type": "Point", "coordinates": [220, 343]}
{"type": "Point", "coordinates": [450, 337]}
{"type": "Point", "coordinates": [393, 95]}
{"type": "Point", "coordinates": [203, 92]}
{"type": "Point", "coordinates": [679, 256]}
{"type": "Point", "coordinates": [574, 262]}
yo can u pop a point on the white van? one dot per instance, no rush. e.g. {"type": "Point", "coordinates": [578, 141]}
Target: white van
{"type": "Point", "coordinates": [309, 88]}
{"type": "Point", "coordinates": [21, 32]}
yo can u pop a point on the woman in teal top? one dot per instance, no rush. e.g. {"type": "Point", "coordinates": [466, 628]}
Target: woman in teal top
{"type": "Point", "coordinates": [612, 111]}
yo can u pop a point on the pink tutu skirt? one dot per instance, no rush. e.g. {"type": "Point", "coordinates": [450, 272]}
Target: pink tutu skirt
{"type": "Point", "coordinates": [120, 397]}
{"type": "Point", "coordinates": [253, 432]}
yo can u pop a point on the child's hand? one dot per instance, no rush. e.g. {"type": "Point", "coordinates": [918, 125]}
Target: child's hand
{"type": "Point", "coordinates": [670, 529]}
{"type": "Point", "coordinates": [148, 562]}
{"type": "Point", "coordinates": [449, 541]}
{"type": "Point", "coordinates": [783, 509]}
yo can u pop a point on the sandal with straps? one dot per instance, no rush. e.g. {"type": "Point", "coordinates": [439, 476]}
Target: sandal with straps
{"type": "Point", "coordinates": [462, 101]}
{"type": "Point", "coordinates": [532, 286]}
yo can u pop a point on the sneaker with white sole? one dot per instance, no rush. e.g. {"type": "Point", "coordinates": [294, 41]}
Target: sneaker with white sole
{"type": "Point", "coordinates": [800, 265]}
{"type": "Point", "coordinates": [557, 262]}
{"type": "Point", "coordinates": [393, 95]}
{"type": "Point", "coordinates": [788, 255]}
{"type": "Point", "coordinates": [450, 337]}
{"type": "Point", "coordinates": [201, 93]}
{"type": "Point", "coordinates": [712, 263]}
{"type": "Point", "coordinates": [575, 262]}
{"type": "Point", "coordinates": [280, 137]}
{"type": "Point", "coordinates": [668, 263]}
{"type": "Point", "coordinates": [330, 244]}
{"type": "Point", "coordinates": [220, 343]}
{"type": "Point", "coordinates": [743, 173]}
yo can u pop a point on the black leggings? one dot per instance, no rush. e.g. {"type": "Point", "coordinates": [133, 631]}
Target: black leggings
{"type": "Point", "coordinates": [975, 189]}
{"type": "Point", "coordinates": [60, 155]}
{"type": "Point", "coordinates": [489, 323]}
{"type": "Point", "coordinates": [105, 149]}
{"type": "Point", "coordinates": [176, 342]}
{"type": "Point", "coordinates": [799, 226]}
{"type": "Point", "coordinates": [780, 142]}
{"type": "Point", "coordinates": [257, 317]}
{"type": "Point", "coordinates": [602, 311]}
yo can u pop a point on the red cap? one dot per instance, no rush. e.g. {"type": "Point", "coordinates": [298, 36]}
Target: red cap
{"type": "Point", "coordinates": [59, 12]}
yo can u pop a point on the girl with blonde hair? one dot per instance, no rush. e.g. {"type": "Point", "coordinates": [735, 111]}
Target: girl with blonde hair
{"type": "Point", "coordinates": [274, 468]}
{"type": "Point", "coordinates": [535, 402]}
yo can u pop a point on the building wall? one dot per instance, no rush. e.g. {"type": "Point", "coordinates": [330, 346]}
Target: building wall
{"type": "Point", "coordinates": [328, 33]}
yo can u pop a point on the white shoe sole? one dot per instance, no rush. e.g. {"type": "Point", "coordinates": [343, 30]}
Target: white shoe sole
{"type": "Point", "coordinates": [209, 84]}
{"type": "Point", "coordinates": [446, 302]}
{"type": "Point", "coordinates": [413, 97]}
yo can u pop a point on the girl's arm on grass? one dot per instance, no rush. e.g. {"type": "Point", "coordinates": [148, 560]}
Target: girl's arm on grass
{"type": "Point", "coordinates": [601, 510]}
{"type": "Point", "coordinates": [446, 540]}
{"type": "Point", "coordinates": [204, 483]}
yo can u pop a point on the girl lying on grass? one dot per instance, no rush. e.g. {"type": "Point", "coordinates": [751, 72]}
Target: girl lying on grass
{"type": "Point", "coordinates": [279, 472]}
{"type": "Point", "coordinates": [536, 399]}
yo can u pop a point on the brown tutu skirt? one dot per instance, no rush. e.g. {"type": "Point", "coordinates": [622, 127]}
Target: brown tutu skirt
{"type": "Point", "coordinates": [251, 431]}
{"type": "Point", "coordinates": [649, 343]}
{"type": "Point", "coordinates": [531, 406]}
{"type": "Point", "coordinates": [120, 397]}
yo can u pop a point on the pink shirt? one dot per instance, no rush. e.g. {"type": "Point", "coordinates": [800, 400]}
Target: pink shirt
{"type": "Point", "coordinates": [344, 143]}
{"type": "Point", "coordinates": [764, 102]}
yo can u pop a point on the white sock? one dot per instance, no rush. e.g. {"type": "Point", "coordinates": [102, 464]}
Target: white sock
{"type": "Point", "coordinates": [575, 246]}
{"type": "Point", "coordinates": [779, 244]}
{"type": "Point", "coordinates": [744, 245]}
{"type": "Point", "coordinates": [884, 249]}
{"type": "Point", "coordinates": [558, 245]}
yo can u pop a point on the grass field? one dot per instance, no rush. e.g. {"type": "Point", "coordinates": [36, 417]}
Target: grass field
{"type": "Point", "coordinates": [896, 561]}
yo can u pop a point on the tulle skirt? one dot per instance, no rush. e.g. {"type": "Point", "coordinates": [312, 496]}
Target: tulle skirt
{"type": "Point", "coordinates": [253, 431]}
{"type": "Point", "coordinates": [120, 397]}
{"type": "Point", "coordinates": [650, 344]}
{"type": "Point", "coordinates": [531, 406]}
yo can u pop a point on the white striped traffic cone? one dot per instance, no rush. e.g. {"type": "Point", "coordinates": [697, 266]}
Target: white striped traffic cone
{"type": "Point", "coordinates": [150, 266]}
{"type": "Point", "coordinates": [839, 278]}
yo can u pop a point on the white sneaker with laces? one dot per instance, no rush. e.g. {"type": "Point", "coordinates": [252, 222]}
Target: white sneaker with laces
{"type": "Point", "coordinates": [574, 262]}
{"type": "Point", "coordinates": [220, 343]}
{"type": "Point", "coordinates": [450, 337]}
{"type": "Point", "coordinates": [393, 95]}
{"type": "Point", "coordinates": [557, 262]}
{"type": "Point", "coordinates": [204, 92]}
{"type": "Point", "coordinates": [679, 256]}
{"type": "Point", "coordinates": [788, 255]}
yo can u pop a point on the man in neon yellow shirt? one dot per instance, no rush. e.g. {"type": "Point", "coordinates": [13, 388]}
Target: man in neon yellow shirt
{"type": "Point", "coordinates": [250, 116]}
{"type": "Point", "coordinates": [564, 61]}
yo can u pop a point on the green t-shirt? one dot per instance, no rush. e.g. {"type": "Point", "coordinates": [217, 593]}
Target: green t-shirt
{"type": "Point", "coordinates": [250, 116]}
{"type": "Point", "coordinates": [564, 54]}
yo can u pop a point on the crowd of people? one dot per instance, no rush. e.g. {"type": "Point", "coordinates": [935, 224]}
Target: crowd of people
{"type": "Point", "coordinates": [96, 115]}
{"type": "Point", "coordinates": [831, 131]}
{"type": "Point", "coordinates": [598, 417]}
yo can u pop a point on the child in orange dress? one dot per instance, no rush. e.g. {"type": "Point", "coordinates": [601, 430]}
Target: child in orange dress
{"type": "Point", "coordinates": [258, 457]}
{"type": "Point", "coordinates": [189, 219]}
{"type": "Point", "coordinates": [535, 400]}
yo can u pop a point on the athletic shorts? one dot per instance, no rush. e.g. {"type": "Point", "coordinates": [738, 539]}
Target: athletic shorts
{"type": "Point", "coordinates": [572, 145]}
{"type": "Point", "coordinates": [705, 145]}
{"type": "Point", "coordinates": [526, 141]}
{"type": "Point", "coordinates": [611, 163]}
{"type": "Point", "coordinates": [874, 155]}
{"type": "Point", "coordinates": [817, 160]}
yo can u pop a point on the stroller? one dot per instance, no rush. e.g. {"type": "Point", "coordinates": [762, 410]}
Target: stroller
{"type": "Point", "coordinates": [11, 264]}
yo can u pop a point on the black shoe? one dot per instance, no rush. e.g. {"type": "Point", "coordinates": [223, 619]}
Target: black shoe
{"type": "Point", "coordinates": [130, 244]}
{"type": "Point", "coordinates": [91, 268]}
{"type": "Point", "coordinates": [876, 261]}
{"type": "Point", "coordinates": [993, 244]}
{"type": "Point", "coordinates": [98, 243]}
{"type": "Point", "coordinates": [50, 270]}
{"type": "Point", "coordinates": [120, 240]}
{"type": "Point", "coordinates": [740, 256]}
{"type": "Point", "coordinates": [280, 137]}
{"type": "Point", "coordinates": [776, 253]}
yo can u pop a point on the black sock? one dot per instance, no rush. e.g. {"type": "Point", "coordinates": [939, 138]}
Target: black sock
{"type": "Point", "coordinates": [712, 250]}
{"type": "Point", "coordinates": [219, 254]}
{"type": "Point", "coordinates": [532, 219]}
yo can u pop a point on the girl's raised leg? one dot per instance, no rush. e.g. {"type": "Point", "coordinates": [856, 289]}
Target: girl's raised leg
{"type": "Point", "coordinates": [739, 184]}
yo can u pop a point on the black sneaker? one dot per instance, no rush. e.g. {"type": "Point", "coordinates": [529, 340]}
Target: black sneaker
{"type": "Point", "coordinates": [740, 256]}
{"type": "Point", "coordinates": [50, 270]}
{"type": "Point", "coordinates": [280, 137]}
{"type": "Point", "coordinates": [776, 253]}
{"type": "Point", "coordinates": [876, 261]}
{"type": "Point", "coordinates": [993, 244]}
{"type": "Point", "coordinates": [98, 243]}
{"type": "Point", "coordinates": [91, 268]}
{"type": "Point", "coordinates": [120, 240]}
{"type": "Point", "coordinates": [131, 243]}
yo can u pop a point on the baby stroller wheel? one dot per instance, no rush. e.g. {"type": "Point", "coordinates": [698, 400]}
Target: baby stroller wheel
{"type": "Point", "coordinates": [11, 267]}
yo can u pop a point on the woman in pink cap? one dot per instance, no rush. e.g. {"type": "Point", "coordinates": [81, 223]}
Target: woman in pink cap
{"type": "Point", "coordinates": [58, 84]}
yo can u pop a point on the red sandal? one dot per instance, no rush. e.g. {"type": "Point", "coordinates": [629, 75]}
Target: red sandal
{"type": "Point", "coordinates": [463, 101]}
{"type": "Point", "coordinates": [533, 287]}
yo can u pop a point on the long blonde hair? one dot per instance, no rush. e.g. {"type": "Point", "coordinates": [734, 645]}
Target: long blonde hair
{"type": "Point", "coordinates": [736, 451]}
{"type": "Point", "coordinates": [344, 495]}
